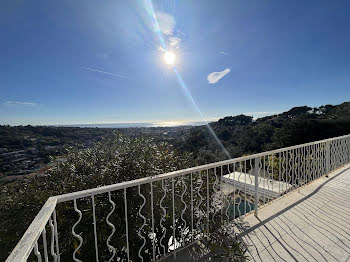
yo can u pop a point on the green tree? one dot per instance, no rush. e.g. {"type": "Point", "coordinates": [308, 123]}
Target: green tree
{"type": "Point", "coordinates": [113, 160]}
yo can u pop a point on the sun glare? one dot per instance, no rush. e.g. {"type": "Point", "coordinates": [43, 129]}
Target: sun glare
{"type": "Point", "coordinates": [169, 58]}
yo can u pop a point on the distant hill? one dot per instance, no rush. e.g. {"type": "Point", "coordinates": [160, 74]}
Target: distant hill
{"type": "Point", "coordinates": [242, 135]}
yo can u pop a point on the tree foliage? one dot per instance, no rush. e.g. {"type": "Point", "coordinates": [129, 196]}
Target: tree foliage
{"type": "Point", "coordinates": [241, 135]}
{"type": "Point", "coordinates": [110, 161]}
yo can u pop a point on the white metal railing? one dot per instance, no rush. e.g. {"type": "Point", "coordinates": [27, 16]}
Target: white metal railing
{"type": "Point", "coordinates": [148, 218]}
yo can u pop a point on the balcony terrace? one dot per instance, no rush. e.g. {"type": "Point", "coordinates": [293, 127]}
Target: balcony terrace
{"type": "Point", "coordinates": [309, 224]}
{"type": "Point", "coordinates": [288, 204]}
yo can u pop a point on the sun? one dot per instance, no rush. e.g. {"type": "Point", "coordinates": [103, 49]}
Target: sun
{"type": "Point", "coordinates": [169, 58]}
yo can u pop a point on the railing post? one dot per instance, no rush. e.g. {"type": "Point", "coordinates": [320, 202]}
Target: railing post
{"type": "Point", "coordinates": [256, 192]}
{"type": "Point", "coordinates": [328, 157]}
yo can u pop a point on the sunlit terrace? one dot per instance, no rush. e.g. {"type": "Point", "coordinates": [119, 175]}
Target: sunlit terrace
{"type": "Point", "coordinates": [288, 204]}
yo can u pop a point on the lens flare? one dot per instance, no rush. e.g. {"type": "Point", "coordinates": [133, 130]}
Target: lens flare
{"type": "Point", "coordinates": [170, 60]}
{"type": "Point", "coordinates": [191, 100]}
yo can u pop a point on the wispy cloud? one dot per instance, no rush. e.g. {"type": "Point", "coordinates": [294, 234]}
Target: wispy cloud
{"type": "Point", "coordinates": [20, 103]}
{"type": "Point", "coordinates": [161, 49]}
{"type": "Point", "coordinates": [214, 77]}
{"type": "Point", "coordinates": [224, 53]}
{"type": "Point", "coordinates": [166, 23]}
{"type": "Point", "coordinates": [174, 42]}
{"type": "Point", "coordinates": [104, 72]}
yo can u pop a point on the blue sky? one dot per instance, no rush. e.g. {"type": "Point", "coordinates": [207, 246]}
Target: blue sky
{"type": "Point", "coordinates": [276, 55]}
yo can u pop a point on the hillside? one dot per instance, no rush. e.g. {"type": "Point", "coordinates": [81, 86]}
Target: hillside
{"type": "Point", "coordinates": [242, 135]}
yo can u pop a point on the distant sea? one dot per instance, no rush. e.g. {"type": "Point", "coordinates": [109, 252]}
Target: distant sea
{"type": "Point", "coordinates": [128, 125]}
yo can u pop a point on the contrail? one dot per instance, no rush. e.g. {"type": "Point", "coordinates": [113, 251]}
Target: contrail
{"type": "Point", "coordinates": [103, 72]}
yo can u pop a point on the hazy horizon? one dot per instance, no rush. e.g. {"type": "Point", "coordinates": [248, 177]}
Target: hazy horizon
{"type": "Point", "coordinates": [159, 123]}
{"type": "Point", "coordinates": [156, 123]}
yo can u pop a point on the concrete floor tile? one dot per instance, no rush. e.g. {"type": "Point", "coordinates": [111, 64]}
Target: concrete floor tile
{"type": "Point", "coordinates": [312, 224]}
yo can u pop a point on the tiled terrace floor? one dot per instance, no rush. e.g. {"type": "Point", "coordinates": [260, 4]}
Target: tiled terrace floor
{"type": "Point", "coordinates": [312, 224]}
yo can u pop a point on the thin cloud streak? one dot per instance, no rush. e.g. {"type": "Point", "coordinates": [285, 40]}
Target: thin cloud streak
{"type": "Point", "coordinates": [104, 72]}
{"type": "Point", "coordinates": [224, 53]}
{"type": "Point", "coordinates": [21, 103]}
{"type": "Point", "coordinates": [174, 42]}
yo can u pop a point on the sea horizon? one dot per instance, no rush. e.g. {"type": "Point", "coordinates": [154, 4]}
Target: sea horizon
{"type": "Point", "coordinates": [136, 124]}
